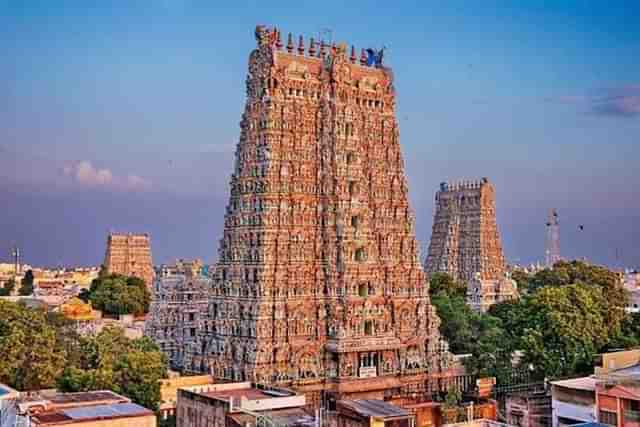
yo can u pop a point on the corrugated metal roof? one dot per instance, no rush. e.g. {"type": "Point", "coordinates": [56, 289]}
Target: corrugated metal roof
{"type": "Point", "coordinates": [374, 408]}
{"type": "Point", "coordinates": [105, 411]}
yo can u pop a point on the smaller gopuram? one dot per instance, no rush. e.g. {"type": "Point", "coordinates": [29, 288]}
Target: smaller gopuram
{"type": "Point", "coordinates": [178, 315]}
{"type": "Point", "coordinates": [465, 242]}
{"type": "Point", "coordinates": [130, 255]}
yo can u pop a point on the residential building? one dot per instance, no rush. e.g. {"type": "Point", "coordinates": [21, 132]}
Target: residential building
{"type": "Point", "coordinates": [529, 409]}
{"type": "Point", "coordinates": [573, 401]}
{"type": "Point", "coordinates": [8, 406]}
{"type": "Point", "coordinates": [169, 391]}
{"type": "Point", "coordinates": [84, 409]}
{"type": "Point", "coordinates": [610, 396]}
{"type": "Point", "coordinates": [238, 404]}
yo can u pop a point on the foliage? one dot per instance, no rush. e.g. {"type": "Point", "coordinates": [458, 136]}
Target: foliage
{"type": "Point", "coordinates": [7, 288]}
{"type": "Point", "coordinates": [470, 332]}
{"type": "Point", "coordinates": [42, 350]}
{"type": "Point", "coordinates": [443, 282]}
{"type": "Point", "coordinates": [31, 356]}
{"type": "Point", "coordinates": [117, 294]}
{"type": "Point", "coordinates": [112, 361]}
{"type": "Point", "coordinates": [522, 280]}
{"type": "Point", "coordinates": [570, 313]}
{"type": "Point", "coordinates": [564, 329]}
{"type": "Point", "coordinates": [26, 287]}
{"type": "Point", "coordinates": [453, 397]}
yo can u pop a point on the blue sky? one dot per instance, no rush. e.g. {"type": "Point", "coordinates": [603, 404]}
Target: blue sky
{"type": "Point", "coordinates": [123, 115]}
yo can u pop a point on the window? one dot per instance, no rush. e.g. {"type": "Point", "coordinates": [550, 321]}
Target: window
{"type": "Point", "coordinates": [351, 158]}
{"type": "Point", "coordinates": [352, 187]}
{"type": "Point", "coordinates": [362, 289]}
{"type": "Point", "coordinates": [355, 221]}
{"type": "Point", "coordinates": [368, 327]}
{"type": "Point", "coordinates": [609, 418]}
{"type": "Point", "coordinates": [361, 254]}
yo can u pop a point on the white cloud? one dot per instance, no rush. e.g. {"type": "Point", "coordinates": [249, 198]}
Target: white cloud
{"type": "Point", "coordinates": [135, 182]}
{"type": "Point", "coordinates": [85, 174]}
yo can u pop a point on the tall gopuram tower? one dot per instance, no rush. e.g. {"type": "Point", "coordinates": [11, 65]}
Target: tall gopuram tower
{"type": "Point", "coordinates": [319, 284]}
{"type": "Point", "coordinates": [466, 244]}
{"type": "Point", "coordinates": [130, 254]}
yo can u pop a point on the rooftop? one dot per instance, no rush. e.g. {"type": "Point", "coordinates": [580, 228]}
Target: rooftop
{"type": "Point", "coordinates": [584, 383]}
{"type": "Point", "coordinates": [6, 390]}
{"type": "Point", "coordinates": [244, 396]}
{"type": "Point", "coordinates": [281, 417]}
{"type": "Point", "coordinates": [374, 408]}
{"type": "Point", "coordinates": [87, 413]}
{"type": "Point", "coordinates": [85, 398]}
{"type": "Point", "coordinates": [247, 393]}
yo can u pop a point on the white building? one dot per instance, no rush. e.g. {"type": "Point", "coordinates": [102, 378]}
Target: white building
{"type": "Point", "coordinates": [573, 401]}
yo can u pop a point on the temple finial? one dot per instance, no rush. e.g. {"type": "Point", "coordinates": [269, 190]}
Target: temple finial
{"type": "Point", "coordinates": [300, 46]}
{"type": "Point", "coordinates": [290, 43]}
{"type": "Point", "coordinates": [322, 47]}
{"type": "Point", "coordinates": [312, 47]}
{"type": "Point", "coordinates": [278, 41]}
{"type": "Point", "coordinates": [363, 57]}
{"type": "Point", "coordinates": [353, 55]}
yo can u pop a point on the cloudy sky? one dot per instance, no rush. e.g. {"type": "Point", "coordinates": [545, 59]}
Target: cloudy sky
{"type": "Point", "coordinates": [123, 115]}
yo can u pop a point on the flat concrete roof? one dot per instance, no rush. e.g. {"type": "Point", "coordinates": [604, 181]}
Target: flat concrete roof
{"type": "Point", "coordinates": [247, 393]}
{"type": "Point", "coordinates": [583, 383]}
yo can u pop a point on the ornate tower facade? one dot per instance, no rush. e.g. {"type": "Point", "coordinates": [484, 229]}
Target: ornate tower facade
{"type": "Point", "coordinates": [466, 244]}
{"type": "Point", "coordinates": [319, 283]}
{"type": "Point", "coordinates": [130, 255]}
{"type": "Point", "coordinates": [465, 239]}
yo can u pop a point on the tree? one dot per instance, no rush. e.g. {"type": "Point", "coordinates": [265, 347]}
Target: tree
{"type": "Point", "coordinates": [117, 294]}
{"type": "Point", "coordinates": [443, 282]}
{"type": "Point", "coordinates": [522, 280]}
{"type": "Point", "coordinates": [113, 361]}
{"type": "Point", "coordinates": [27, 284]}
{"type": "Point", "coordinates": [8, 287]}
{"type": "Point", "coordinates": [31, 356]}
{"type": "Point", "coordinates": [563, 329]}
{"type": "Point", "coordinates": [566, 273]}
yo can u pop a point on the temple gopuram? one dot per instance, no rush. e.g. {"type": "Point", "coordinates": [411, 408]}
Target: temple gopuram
{"type": "Point", "coordinates": [130, 255]}
{"type": "Point", "coordinates": [465, 242]}
{"type": "Point", "coordinates": [319, 284]}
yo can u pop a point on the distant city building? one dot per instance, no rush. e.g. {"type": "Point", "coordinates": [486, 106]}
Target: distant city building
{"type": "Point", "coordinates": [241, 405]}
{"type": "Point", "coordinates": [84, 409]}
{"type": "Point", "coordinates": [465, 242]}
{"type": "Point", "coordinates": [552, 240]}
{"type": "Point", "coordinates": [130, 255]}
{"type": "Point", "coordinates": [177, 314]}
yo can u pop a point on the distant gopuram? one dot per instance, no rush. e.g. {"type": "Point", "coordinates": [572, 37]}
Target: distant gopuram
{"type": "Point", "coordinates": [465, 242]}
{"type": "Point", "coordinates": [130, 255]}
{"type": "Point", "coordinates": [319, 283]}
